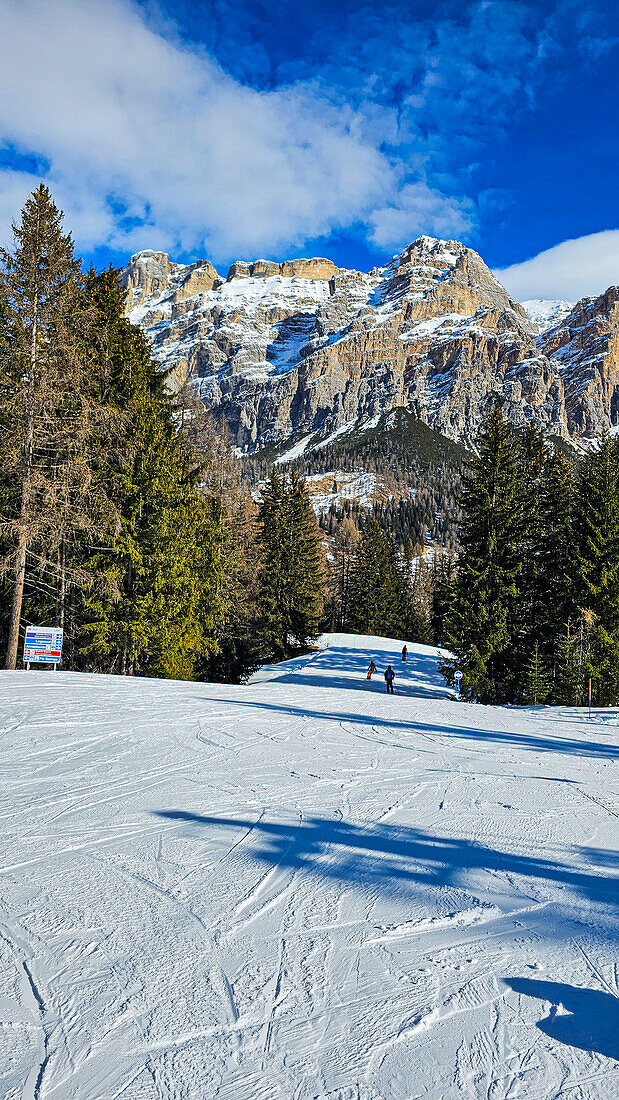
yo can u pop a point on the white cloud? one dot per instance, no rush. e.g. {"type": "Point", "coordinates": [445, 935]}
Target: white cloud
{"type": "Point", "coordinates": [151, 143]}
{"type": "Point", "coordinates": [416, 206]}
{"type": "Point", "coordinates": [14, 186]}
{"type": "Point", "coordinates": [582, 267]}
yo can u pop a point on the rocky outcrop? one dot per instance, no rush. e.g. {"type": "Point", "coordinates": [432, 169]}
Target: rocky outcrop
{"type": "Point", "coordinates": [150, 274]}
{"type": "Point", "coordinates": [304, 346]}
{"type": "Point", "coordinates": [147, 275]}
{"type": "Point", "coordinates": [585, 347]}
{"type": "Point", "coordinates": [289, 269]}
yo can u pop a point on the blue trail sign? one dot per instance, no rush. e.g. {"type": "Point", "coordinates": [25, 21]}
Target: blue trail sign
{"type": "Point", "coordinates": [43, 645]}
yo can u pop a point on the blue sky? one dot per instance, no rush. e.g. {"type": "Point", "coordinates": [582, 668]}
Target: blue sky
{"type": "Point", "coordinates": [235, 129]}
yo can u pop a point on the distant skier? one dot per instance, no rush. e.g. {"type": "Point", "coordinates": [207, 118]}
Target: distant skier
{"type": "Point", "coordinates": [389, 678]}
{"type": "Point", "coordinates": [371, 669]}
{"type": "Point", "coordinates": [404, 653]}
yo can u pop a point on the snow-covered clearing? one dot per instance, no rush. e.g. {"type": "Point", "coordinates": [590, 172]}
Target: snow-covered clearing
{"type": "Point", "coordinates": [304, 888]}
{"type": "Point", "coordinates": [336, 486]}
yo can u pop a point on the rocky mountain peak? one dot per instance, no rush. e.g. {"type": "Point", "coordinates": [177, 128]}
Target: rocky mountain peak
{"type": "Point", "coordinates": [547, 312]}
{"type": "Point", "coordinates": [303, 346]}
{"type": "Point", "coordinates": [437, 275]}
{"type": "Point", "coordinates": [147, 274]}
{"type": "Point", "coordinates": [585, 345]}
{"type": "Point", "coordinates": [150, 274]}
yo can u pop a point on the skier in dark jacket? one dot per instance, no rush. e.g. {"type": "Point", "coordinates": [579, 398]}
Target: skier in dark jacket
{"type": "Point", "coordinates": [404, 653]}
{"type": "Point", "coordinates": [389, 678]}
{"type": "Point", "coordinates": [371, 669]}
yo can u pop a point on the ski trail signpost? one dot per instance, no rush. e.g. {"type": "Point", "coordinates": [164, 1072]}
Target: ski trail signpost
{"type": "Point", "coordinates": [43, 645]}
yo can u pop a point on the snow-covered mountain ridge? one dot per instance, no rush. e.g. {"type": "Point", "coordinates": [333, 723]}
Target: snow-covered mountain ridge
{"type": "Point", "coordinates": [303, 346]}
{"type": "Point", "coordinates": [547, 312]}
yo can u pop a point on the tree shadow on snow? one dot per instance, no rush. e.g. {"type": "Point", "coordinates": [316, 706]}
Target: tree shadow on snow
{"type": "Point", "coordinates": [590, 1020]}
{"type": "Point", "coordinates": [396, 858]}
{"type": "Point", "coordinates": [415, 677]}
{"type": "Point", "coordinates": [533, 742]}
{"type": "Point", "coordinates": [375, 685]}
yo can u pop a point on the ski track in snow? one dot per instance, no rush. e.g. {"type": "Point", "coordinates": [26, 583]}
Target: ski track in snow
{"type": "Point", "coordinates": [303, 888]}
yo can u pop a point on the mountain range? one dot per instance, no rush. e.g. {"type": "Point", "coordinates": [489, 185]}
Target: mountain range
{"type": "Point", "coordinates": [292, 353]}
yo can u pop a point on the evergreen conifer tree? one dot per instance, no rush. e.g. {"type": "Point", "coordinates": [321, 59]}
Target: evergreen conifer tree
{"type": "Point", "coordinates": [346, 547]}
{"type": "Point", "coordinates": [157, 612]}
{"type": "Point", "coordinates": [51, 416]}
{"type": "Point", "coordinates": [597, 550]}
{"type": "Point", "coordinates": [536, 684]}
{"type": "Point", "coordinates": [378, 597]}
{"type": "Point", "coordinates": [556, 559]}
{"type": "Point", "coordinates": [416, 598]}
{"type": "Point", "coordinates": [293, 575]}
{"type": "Point", "coordinates": [238, 550]}
{"type": "Point", "coordinates": [567, 683]}
{"type": "Point", "coordinates": [528, 607]}
{"type": "Point", "coordinates": [546, 551]}
{"type": "Point", "coordinates": [443, 579]}
{"type": "Point", "coordinates": [481, 623]}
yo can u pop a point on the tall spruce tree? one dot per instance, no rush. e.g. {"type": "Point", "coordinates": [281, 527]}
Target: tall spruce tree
{"type": "Point", "coordinates": [597, 550]}
{"type": "Point", "coordinates": [157, 611]}
{"type": "Point", "coordinates": [50, 416]}
{"type": "Point", "coordinates": [481, 624]}
{"type": "Point", "coordinates": [528, 608]}
{"type": "Point", "coordinates": [238, 551]}
{"type": "Point", "coordinates": [378, 596]}
{"type": "Point", "coordinates": [293, 577]}
{"type": "Point", "coordinates": [416, 586]}
{"type": "Point", "coordinates": [545, 549]}
{"type": "Point", "coordinates": [443, 580]}
{"type": "Point", "coordinates": [571, 664]}
{"type": "Point", "coordinates": [556, 558]}
{"type": "Point", "coordinates": [536, 686]}
{"type": "Point", "coordinates": [346, 547]}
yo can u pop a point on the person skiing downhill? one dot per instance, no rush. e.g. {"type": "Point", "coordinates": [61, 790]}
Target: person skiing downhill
{"type": "Point", "coordinates": [389, 678]}
{"type": "Point", "coordinates": [371, 669]}
{"type": "Point", "coordinates": [404, 653]}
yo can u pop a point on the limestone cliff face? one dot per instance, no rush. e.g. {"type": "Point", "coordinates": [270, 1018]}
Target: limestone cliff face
{"type": "Point", "coordinates": [304, 346]}
{"type": "Point", "coordinates": [585, 347]}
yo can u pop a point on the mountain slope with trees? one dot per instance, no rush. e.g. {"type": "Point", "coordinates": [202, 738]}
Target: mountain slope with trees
{"type": "Point", "coordinates": [126, 519]}
{"type": "Point", "coordinates": [413, 474]}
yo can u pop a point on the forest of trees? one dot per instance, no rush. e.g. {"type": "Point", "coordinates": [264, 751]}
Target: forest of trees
{"type": "Point", "coordinates": [533, 610]}
{"type": "Point", "coordinates": [123, 517]}
{"type": "Point", "coordinates": [529, 603]}
{"type": "Point", "coordinates": [377, 589]}
{"type": "Point", "coordinates": [418, 468]}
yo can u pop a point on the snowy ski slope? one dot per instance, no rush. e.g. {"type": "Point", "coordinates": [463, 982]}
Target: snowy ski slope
{"type": "Point", "coordinates": [304, 888]}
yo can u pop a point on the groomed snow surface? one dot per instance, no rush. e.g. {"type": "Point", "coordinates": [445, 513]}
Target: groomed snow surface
{"type": "Point", "coordinates": [304, 888]}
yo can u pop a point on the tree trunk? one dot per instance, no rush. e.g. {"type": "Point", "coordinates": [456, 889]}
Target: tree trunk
{"type": "Point", "coordinates": [62, 590]}
{"type": "Point", "coordinates": [18, 595]}
{"type": "Point", "coordinates": [22, 539]}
